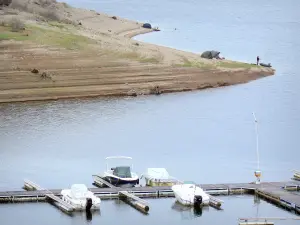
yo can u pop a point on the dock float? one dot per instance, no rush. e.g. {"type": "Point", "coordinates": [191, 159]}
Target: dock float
{"type": "Point", "coordinates": [64, 206]}
{"type": "Point", "coordinates": [265, 221]}
{"type": "Point", "coordinates": [134, 201]}
{"type": "Point", "coordinates": [99, 182]}
{"type": "Point", "coordinates": [124, 195]}
{"type": "Point", "coordinates": [280, 193]}
{"type": "Point", "coordinates": [213, 201]}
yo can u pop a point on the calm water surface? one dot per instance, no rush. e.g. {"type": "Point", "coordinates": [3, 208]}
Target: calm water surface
{"type": "Point", "coordinates": [206, 136]}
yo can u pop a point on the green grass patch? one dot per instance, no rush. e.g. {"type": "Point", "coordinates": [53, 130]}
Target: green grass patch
{"type": "Point", "coordinates": [46, 37]}
{"type": "Point", "coordinates": [235, 65]}
{"type": "Point", "coordinates": [214, 64]}
{"type": "Point", "coordinates": [7, 34]}
{"type": "Point", "coordinates": [57, 24]}
{"type": "Point", "coordinates": [149, 60]}
{"type": "Point", "coordinates": [63, 39]}
{"type": "Point", "coordinates": [195, 64]}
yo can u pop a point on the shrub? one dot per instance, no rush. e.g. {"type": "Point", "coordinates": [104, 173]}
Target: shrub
{"type": "Point", "coordinates": [5, 2]}
{"type": "Point", "coordinates": [19, 4]}
{"type": "Point", "coordinates": [16, 25]}
{"type": "Point", "coordinates": [44, 8]}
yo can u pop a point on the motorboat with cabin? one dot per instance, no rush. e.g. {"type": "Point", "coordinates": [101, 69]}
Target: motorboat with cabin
{"type": "Point", "coordinates": [81, 198]}
{"type": "Point", "coordinates": [189, 194]}
{"type": "Point", "coordinates": [121, 174]}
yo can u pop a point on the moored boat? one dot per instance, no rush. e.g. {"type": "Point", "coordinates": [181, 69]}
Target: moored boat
{"type": "Point", "coordinates": [190, 194]}
{"type": "Point", "coordinates": [159, 177]}
{"type": "Point", "coordinates": [81, 198]}
{"type": "Point", "coordinates": [122, 174]}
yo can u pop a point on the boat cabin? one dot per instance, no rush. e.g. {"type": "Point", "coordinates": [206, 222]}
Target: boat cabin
{"type": "Point", "coordinates": [122, 171]}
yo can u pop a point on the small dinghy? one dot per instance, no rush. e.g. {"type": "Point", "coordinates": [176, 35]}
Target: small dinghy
{"type": "Point", "coordinates": [189, 194]}
{"type": "Point", "coordinates": [265, 65]}
{"type": "Point", "coordinates": [81, 198]}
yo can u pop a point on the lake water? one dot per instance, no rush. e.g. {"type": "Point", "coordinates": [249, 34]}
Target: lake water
{"type": "Point", "coordinates": [206, 136]}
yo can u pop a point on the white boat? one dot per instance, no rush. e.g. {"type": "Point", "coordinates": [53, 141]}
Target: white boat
{"type": "Point", "coordinates": [81, 198]}
{"type": "Point", "coordinates": [190, 194]}
{"type": "Point", "coordinates": [121, 174]}
{"type": "Point", "coordinates": [159, 177]}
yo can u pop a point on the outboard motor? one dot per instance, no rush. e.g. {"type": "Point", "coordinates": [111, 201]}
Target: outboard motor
{"type": "Point", "coordinates": [89, 204]}
{"type": "Point", "coordinates": [197, 200]}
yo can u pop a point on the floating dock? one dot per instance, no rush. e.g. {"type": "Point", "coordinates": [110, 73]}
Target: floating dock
{"type": "Point", "coordinates": [280, 193]}
{"type": "Point", "coordinates": [124, 195]}
{"type": "Point", "coordinates": [64, 206]}
{"type": "Point", "coordinates": [261, 221]}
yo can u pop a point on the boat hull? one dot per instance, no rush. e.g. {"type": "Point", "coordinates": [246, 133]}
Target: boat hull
{"type": "Point", "coordinates": [190, 197]}
{"type": "Point", "coordinates": [119, 181]}
{"type": "Point", "coordinates": [153, 182]}
{"type": "Point", "coordinates": [80, 204]}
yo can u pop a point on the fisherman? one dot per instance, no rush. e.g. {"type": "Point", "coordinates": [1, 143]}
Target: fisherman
{"type": "Point", "coordinates": [257, 60]}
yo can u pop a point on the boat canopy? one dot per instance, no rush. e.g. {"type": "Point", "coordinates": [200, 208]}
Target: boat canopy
{"type": "Point", "coordinates": [122, 171]}
{"type": "Point", "coordinates": [118, 157]}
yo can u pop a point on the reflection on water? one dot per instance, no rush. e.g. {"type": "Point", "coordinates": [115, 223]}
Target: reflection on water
{"type": "Point", "coordinates": [89, 215]}
{"type": "Point", "coordinates": [189, 212]}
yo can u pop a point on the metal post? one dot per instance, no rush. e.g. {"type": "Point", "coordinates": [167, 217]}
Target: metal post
{"type": "Point", "coordinates": [257, 172]}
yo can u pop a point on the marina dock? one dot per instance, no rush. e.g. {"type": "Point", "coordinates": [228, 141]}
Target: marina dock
{"type": "Point", "coordinates": [263, 221]}
{"type": "Point", "coordinates": [280, 193]}
{"type": "Point", "coordinates": [64, 206]}
{"type": "Point", "coordinates": [124, 195]}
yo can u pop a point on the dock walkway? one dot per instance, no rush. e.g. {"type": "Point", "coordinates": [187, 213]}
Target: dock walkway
{"type": "Point", "coordinates": [29, 185]}
{"type": "Point", "coordinates": [278, 192]}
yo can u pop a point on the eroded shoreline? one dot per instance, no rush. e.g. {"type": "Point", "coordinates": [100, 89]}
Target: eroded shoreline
{"type": "Point", "coordinates": [95, 56]}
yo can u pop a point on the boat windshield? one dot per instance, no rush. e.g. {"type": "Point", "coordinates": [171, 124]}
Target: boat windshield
{"type": "Point", "coordinates": [122, 171]}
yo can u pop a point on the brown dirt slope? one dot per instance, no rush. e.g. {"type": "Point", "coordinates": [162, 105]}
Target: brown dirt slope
{"type": "Point", "coordinates": [79, 53]}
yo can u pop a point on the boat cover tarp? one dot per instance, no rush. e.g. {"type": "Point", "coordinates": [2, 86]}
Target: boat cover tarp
{"type": "Point", "coordinates": [122, 171]}
{"type": "Point", "coordinates": [78, 190]}
{"type": "Point", "coordinates": [157, 173]}
{"type": "Point", "coordinates": [210, 54]}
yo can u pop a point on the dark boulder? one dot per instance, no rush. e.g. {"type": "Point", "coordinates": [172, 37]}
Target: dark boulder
{"type": "Point", "coordinates": [34, 71]}
{"type": "Point", "coordinates": [210, 54]}
{"type": "Point", "coordinates": [147, 25]}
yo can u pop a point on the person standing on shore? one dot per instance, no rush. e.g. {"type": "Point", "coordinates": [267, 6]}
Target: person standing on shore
{"type": "Point", "coordinates": [257, 60]}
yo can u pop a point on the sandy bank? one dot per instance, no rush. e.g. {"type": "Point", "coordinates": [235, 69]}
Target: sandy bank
{"type": "Point", "coordinates": [83, 53]}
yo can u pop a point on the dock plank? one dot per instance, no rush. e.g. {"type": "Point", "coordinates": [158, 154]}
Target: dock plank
{"type": "Point", "coordinates": [61, 204]}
